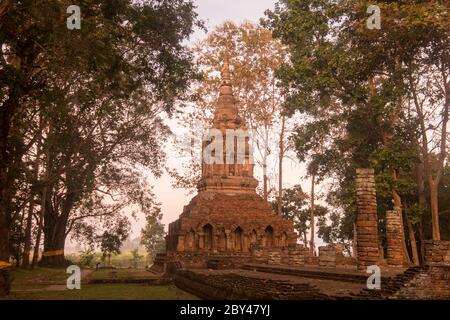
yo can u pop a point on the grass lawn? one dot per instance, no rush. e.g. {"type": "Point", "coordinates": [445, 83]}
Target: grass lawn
{"type": "Point", "coordinates": [37, 278]}
{"type": "Point", "coordinates": [49, 284]}
{"type": "Point", "coordinates": [107, 292]}
{"type": "Point", "coordinates": [120, 274]}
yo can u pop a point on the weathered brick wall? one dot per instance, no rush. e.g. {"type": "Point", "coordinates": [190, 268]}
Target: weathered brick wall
{"type": "Point", "coordinates": [234, 286]}
{"type": "Point", "coordinates": [437, 253]}
{"type": "Point", "coordinates": [327, 256]}
{"type": "Point", "coordinates": [434, 282]}
{"type": "Point", "coordinates": [297, 255]}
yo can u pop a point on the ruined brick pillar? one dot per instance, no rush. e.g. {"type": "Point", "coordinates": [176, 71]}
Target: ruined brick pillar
{"type": "Point", "coordinates": [295, 256]}
{"type": "Point", "coordinates": [327, 256]}
{"type": "Point", "coordinates": [367, 219]}
{"type": "Point", "coordinates": [394, 237]}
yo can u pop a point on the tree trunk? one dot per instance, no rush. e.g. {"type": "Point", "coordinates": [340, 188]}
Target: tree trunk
{"type": "Point", "coordinates": [305, 240]}
{"type": "Point", "coordinates": [5, 6]}
{"type": "Point", "coordinates": [280, 165]}
{"type": "Point", "coordinates": [398, 205]}
{"type": "Point", "coordinates": [412, 239]}
{"type": "Point", "coordinates": [355, 241]}
{"type": "Point", "coordinates": [433, 183]}
{"type": "Point", "coordinates": [40, 223]}
{"type": "Point", "coordinates": [420, 182]}
{"type": "Point", "coordinates": [434, 209]}
{"type": "Point", "coordinates": [422, 246]}
{"type": "Point", "coordinates": [7, 111]}
{"type": "Point", "coordinates": [265, 153]}
{"type": "Point", "coordinates": [27, 244]}
{"type": "Point", "coordinates": [54, 238]}
{"type": "Point", "coordinates": [311, 241]}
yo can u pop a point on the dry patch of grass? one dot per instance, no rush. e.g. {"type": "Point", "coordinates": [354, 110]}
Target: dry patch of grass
{"type": "Point", "coordinates": [107, 292]}
{"type": "Point", "coordinates": [37, 278]}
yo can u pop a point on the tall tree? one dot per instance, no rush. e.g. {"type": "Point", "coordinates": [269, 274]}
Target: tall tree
{"type": "Point", "coordinates": [153, 234]}
{"type": "Point", "coordinates": [124, 51]}
{"type": "Point", "coordinates": [352, 82]}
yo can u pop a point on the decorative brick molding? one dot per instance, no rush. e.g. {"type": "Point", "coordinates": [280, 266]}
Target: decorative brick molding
{"type": "Point", "coordinates": [236, 287]}
{"type": "Point", "coordinates": [367, 219]}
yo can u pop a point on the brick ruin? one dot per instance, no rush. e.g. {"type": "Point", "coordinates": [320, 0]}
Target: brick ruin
{"type": "Point", "coordinates": [394, 234]}
{"type": "Point", "coordinates": [227, 218]}
{"type": "Point", "coordinates": [229, 244]}
{"type": "Point", "coordinates": [367, 219]}
{"type": "Point", "coordinates": [433, 282]}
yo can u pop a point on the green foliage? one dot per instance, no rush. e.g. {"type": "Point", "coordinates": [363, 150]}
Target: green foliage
{"type": "Point", "coordinates": [295, 207]}
{"type": "Point", "coordinates": [153, 234]}
{"type": "Point", "coordinates": [352, 87]}
{"type": "Point", "coordinates": [111, 240]}
{"type": "Point", "coordinates": [73, 99]}
{"type": "Point", "coordinates": [136, 258]}
{"type": "Point", "coordinates": [87, 257]}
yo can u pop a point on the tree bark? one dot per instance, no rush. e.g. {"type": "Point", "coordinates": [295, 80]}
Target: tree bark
{"type": "Point", "coordinates": [27, 245]}
{"type": "Point", "coordinates": [434, 186]}
{"type": "Point", "coordinates": [5, 6]}
{"type": "Point", "coordinates": [54, 237]}
{"type": "Point", "coordinates": [265, 153]}
{"type": "Point", "coordinates": [412, 239]}
{"type": "Point", "coordinates": [355, 241]}
{"type": "Point", "coordinates": [398, 205]}
{"type": "Point", "coordinates": [44, 195]}
{"type": "Point", "coordinates": [280, 165]}
{"type": "Point", "coordinates": [40, 227]}
{"type": "Point", "coordinates": [312, 209]}
{"type": "Point", "coordinates": [7, 111]}
{"type": "Point", "coordinates": [433, 179]}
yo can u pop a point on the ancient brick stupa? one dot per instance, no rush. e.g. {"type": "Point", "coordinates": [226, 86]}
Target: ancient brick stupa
{"type": "Point", "coordinates": [227, 217]}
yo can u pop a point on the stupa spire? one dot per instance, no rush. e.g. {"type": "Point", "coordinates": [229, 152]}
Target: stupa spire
{"type": "Point", "coordinates": [225, 84]}
{"type": "Point", "coordinates": [226, 71]}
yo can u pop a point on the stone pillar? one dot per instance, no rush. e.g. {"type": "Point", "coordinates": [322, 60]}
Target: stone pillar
{"type": "Point", "coordinates": [327, 256]}
{"type": "Point", "coordinates": [367, 219]}
{"type": "Point", "coordinates": [394, 238]}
